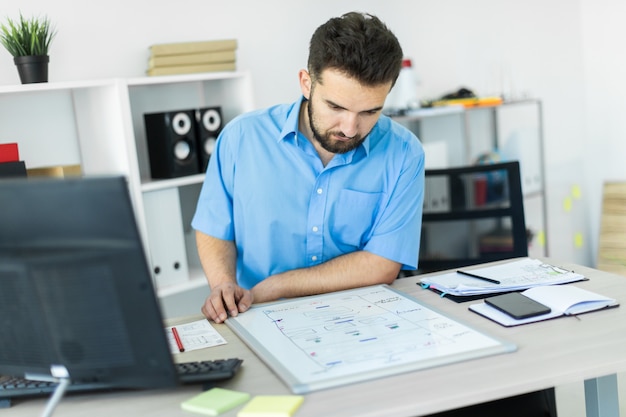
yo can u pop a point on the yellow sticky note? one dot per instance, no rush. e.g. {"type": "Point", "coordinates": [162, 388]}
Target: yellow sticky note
{"type": "Point", "coordinates": [578, 240]}
{"type": "Point", "coordinates": [541, 238]}
{"type": "Point", "coordinates": [271, 406]}
{"type": "Point", "coordinates": [567, 204]}
{"type": "Point", "coordinates": [215, 401]}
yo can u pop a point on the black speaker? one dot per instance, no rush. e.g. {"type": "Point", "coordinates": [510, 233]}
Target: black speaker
{"type": "Point", "coordinates": [172, 143]}
{"type": "Point", "coordinates": [210, 125]}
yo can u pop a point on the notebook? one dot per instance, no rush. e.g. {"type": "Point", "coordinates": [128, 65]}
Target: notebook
{"type": "Point", "coordinates": [563, 300]}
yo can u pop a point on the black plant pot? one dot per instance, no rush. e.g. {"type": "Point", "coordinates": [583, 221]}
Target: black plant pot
{"type": "Point", "coordinates": [32, 68]}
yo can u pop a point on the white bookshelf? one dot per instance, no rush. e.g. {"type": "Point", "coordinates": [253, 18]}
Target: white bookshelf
{"type": "Point", "coordinates": [99, 126]}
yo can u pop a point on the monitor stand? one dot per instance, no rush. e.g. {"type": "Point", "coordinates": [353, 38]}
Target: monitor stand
{"type": "Point", "coordinates": [62, 377]}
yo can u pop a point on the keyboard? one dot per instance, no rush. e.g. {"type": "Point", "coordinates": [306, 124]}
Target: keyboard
{"type": "Point", "coordinates": [188, 373]}
{"type": "Point", "coordinates": [207, 371]}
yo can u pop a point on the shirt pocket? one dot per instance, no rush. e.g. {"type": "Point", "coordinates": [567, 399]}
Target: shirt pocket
{"type": "Point", "coordinates": [352, 218]}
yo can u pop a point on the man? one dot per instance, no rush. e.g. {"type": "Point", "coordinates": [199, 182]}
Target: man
{"type": "Point", "coordinates": [321, 195]}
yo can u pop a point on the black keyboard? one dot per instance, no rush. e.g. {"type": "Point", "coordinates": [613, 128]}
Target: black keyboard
{"type": "Point", "coordinates": [188, 373]}
{"type": "Point", "coordinates": [207, 371]}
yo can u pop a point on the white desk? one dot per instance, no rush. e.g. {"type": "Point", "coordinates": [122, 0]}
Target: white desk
{"type": "Point", "coordinates": [550, 353]}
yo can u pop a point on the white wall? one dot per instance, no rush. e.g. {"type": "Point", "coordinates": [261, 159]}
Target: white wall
{"type": "Point", "coordinates": [561, 52]}
{"type": "Point", "coordinates": [603, 34]}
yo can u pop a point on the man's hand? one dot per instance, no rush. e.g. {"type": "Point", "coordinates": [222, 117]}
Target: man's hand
{"type": "Point", "coordinates": [227, 298]}
{"type": "Point", "coordinates": [219, 258]}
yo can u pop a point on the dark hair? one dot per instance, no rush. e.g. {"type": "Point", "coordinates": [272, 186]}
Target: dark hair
{"type": "Point", "coordinates": [359, 45]}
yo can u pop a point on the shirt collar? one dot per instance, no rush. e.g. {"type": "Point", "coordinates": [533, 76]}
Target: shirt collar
{"type": "Point", "coordinates": [290, 129]}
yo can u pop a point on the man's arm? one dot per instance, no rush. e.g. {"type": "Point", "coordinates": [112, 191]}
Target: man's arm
{"type": "Point", "coordinates": [356, 269]}
{"type": "Point", "coordinates": [219, 262]}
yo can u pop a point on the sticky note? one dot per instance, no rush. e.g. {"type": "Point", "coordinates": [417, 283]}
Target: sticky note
{"type": "Point", "coordinates": [541, 238]}
{"type": "Point", "coordinates": [578, 240]}
{"type": "Point", "coordinates": [271, 406]}
{"type": "Point", "coordinates": [215, 401]}
{"type": "Point", "coordinates": [567, 204]}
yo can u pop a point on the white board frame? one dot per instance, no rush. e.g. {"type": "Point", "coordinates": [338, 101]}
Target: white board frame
{"type": "Point", "coordinates": [350, 336]}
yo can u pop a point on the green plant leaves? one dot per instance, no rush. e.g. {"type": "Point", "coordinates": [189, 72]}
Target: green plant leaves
{"type": "Point", "coordinates": [27, 36]}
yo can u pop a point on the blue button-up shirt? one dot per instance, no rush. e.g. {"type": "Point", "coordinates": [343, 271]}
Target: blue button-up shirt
{"type": "Point", "coordinates": [267, 189]}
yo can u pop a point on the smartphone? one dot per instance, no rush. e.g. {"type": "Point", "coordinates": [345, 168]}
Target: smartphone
{"type": "Point", "coordinates": [517, 305]}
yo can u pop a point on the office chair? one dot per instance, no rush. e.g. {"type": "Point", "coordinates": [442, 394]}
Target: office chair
{"type": "Point", "coordinates": [472, 215]}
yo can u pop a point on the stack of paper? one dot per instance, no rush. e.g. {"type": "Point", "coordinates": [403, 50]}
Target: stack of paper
{"type": "Point", "coordinates": [192, 57]}
{"type": "Point", "coordinates": [512, 276]}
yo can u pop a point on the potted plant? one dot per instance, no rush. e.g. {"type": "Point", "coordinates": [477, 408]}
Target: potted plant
{"type": "Point", "coordinates": [28, 41]}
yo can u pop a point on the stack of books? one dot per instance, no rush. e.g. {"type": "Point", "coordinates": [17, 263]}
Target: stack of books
{"type": "Point", "coordinates": [192, 57]}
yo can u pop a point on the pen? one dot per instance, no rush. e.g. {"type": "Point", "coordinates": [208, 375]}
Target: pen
{"type": "Point", "coordinates": [179, 343]}
{"type": "Point", "coordinates": [494, 281]}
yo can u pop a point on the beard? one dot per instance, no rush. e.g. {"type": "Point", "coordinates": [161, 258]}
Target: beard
{"type": "Point", "coordinates": [326, 139]}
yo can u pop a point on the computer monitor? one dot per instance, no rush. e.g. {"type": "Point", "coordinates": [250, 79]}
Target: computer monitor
{"type": "Point", "coordinates": [75, 288]}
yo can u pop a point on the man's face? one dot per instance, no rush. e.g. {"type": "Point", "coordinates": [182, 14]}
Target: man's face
{"type": "Point", "coordinates": [341, 111]}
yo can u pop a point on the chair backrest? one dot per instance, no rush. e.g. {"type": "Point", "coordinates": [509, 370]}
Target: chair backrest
{"type": "Point", "coordinates": [472, 214]}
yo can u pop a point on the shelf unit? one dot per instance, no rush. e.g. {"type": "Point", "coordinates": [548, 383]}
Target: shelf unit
{"type": "Point", "coordinates": [482, 220]}
{"type": "Point", "coordinates": [456, 136]}
{"type": "Point", "coordinates": [99, 126]}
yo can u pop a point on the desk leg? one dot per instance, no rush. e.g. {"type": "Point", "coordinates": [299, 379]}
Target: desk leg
{"type": "Point", "coordinates": [601, 397]}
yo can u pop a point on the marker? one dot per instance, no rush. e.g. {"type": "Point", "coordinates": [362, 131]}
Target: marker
{"type": "Point", "coordinates": [179, 343]}
{"type": "Point", "coordinates": [493, 281]}
{"type": "Point", "coordinates": [368, 339]}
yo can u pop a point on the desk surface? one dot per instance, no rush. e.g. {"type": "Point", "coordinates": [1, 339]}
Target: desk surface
{"type": "Point", "coordinates": [550, 353]}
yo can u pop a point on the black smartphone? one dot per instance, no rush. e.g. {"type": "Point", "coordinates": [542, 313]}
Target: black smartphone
{"type": "Point", "coordinates": [517, 305]}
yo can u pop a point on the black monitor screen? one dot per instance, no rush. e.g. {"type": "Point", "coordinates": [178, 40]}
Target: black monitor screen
{"type": "Point", "coordinates": [75, 288]}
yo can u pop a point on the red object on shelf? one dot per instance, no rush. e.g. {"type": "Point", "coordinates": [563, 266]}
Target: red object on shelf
{"type": "Point", "coordinates": [9, 152]}
{"type": "Point", "coordinates": [480, 191]}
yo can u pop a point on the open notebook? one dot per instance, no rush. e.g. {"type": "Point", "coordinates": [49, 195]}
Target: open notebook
{"type": "Point", "coordinates": [564, 300]}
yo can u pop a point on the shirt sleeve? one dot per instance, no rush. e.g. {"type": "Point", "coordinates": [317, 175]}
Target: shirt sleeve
{"type": "Point", "coordinates": [214, 211]}
{"type": "Point", "coordinates": [397, 230]}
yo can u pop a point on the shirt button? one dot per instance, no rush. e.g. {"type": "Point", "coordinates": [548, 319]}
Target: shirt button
{"type": "Point", "coordinates": [314, 258]}
{"type": "Point", "coordinates": [319, 191]}
{"type": "Point", "coordinates": [315, 229]}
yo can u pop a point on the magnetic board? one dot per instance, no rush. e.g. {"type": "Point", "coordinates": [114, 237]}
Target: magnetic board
{"type": "Point", "coordinates": [339, 338]}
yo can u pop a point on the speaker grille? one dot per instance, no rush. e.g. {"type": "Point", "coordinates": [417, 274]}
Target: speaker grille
{"type": "Point", "coordinates": [210, 123]}
{"type": "Point", "coordinates": [172, 143]}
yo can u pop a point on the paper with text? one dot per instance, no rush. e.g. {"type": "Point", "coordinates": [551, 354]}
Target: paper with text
{"type": "Point", "coordinates": [513, 276]}
{"type": "Point", "coordinates": [194, 335]}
